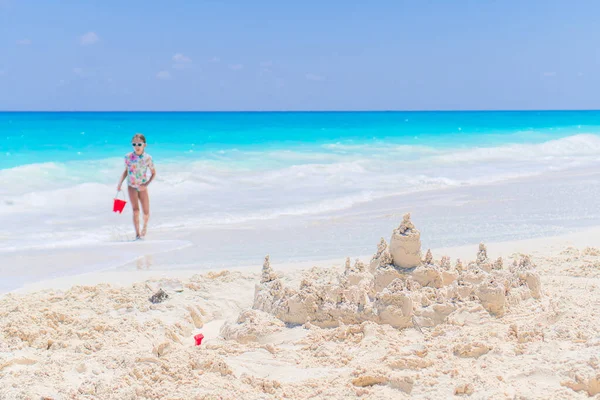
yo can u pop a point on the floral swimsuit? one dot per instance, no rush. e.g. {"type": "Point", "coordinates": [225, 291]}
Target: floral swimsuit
{"type": "Point", "coordinates": [137, 168]}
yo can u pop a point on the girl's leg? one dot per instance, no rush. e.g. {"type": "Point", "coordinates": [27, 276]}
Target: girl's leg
{"type": "Point", "coordinates": [135, 205]}
{"type": "Point", "coordinates": [145, 200]}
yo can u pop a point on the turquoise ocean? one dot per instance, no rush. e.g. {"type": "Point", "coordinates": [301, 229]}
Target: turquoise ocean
{"type": "Point", "coordinates": [63, 138]}
{"type": "Point", "coordinates": [230, 173]}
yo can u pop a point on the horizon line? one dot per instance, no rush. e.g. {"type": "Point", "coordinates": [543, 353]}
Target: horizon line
{"type": "Point", "coordinates": [297, 111]}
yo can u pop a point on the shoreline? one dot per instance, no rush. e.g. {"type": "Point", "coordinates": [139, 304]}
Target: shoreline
{"type": "Point", "coordinates": [498, 209]}
{"type": "Point", "coordinates": [589, 237]}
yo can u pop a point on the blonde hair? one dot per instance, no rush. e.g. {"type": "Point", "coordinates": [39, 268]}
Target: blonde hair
{"type": "Point", "coordinates": [139, 136]}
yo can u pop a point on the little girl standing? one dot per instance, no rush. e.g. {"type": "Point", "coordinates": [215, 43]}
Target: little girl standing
{"type": "Point", "coordinates": [137, 164]}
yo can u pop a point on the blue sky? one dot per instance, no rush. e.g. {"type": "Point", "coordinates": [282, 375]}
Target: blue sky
{"type": "Point", "coordinates": [304, 55]}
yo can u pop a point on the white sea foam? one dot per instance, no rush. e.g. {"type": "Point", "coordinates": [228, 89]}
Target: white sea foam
{"type": "Point", "coordinates": [75, 199]}
{"type": "Point", "coordinates": [578, 147]}
{"type": "Point", "coordinates": [327, 177]}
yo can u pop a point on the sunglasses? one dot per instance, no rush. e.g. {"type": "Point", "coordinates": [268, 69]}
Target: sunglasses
{"type": "Point", "coordinates": [137, 144]}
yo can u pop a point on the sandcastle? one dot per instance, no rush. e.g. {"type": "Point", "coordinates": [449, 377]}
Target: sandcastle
{"type": "Point", "coordinates": [397, 287]}
{"type": "Point", "coordinates": [405, 245]}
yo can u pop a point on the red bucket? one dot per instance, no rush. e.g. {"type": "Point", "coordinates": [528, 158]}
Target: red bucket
{"type": "Point", "coordinates": [119, 204]}
{"type": "Point", "coordinates": [198, 338]}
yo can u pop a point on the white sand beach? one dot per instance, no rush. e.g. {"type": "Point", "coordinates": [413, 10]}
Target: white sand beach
{"type": "Point", "coordinates": [524, 326]}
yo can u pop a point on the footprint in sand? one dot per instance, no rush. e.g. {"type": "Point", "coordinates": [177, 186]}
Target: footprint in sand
{"type": "Point", "coordinates": [144, 262]}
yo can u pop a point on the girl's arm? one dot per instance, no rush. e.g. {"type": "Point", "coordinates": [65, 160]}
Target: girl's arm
{"type": "Point", "coordinates": [123, 176]}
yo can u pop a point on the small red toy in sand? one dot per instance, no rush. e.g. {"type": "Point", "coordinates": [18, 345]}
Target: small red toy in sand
{"type": "Point", "coordinates": [198, 339]}
{"type": "Point", "coordinates": [119, 204]}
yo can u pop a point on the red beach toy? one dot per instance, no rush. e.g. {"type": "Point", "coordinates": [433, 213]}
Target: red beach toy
{"type": "Point", "coordinates": [198, 339]}
{"type": "Point", "coordinates": [119, 204]}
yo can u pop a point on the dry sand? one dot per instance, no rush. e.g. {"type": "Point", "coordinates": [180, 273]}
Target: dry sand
{"type": "Point", "coordinates": [386, 327]}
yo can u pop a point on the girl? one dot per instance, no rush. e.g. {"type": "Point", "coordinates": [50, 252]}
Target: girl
{"type": "Point", "coordinates": [137, 164]}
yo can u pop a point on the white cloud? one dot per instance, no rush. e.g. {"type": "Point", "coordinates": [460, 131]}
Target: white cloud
{"type": "Point", "coordinates": [236, 67]}
{"type": "Point", "coordinates": [89, 39]}
{"type": "Point", "coordinates": [549, 74]}
{"type": "Point", "coordinates": [24, 42]}
{"type": "Point", "coordinates": [181, 61]}
{"type": "Point", "coordinates": [313, 77]}
{"type": "Point", "coordinates": [163, 75]}
{"type": "Point", "coordinates": [180, 58]}
{"type": "Point", "coordinates": [214, 59]}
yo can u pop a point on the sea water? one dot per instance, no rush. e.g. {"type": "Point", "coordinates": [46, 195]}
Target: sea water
{"type": "Point", "coordinates": [325, 177]}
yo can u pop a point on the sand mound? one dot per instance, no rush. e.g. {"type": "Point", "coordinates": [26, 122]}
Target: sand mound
{"type": "Point", "coordinates": [250, 326]}
{"type": "Point", "coordinates": [103, 342]}
{"type": "Point", "coordinates": [397, 288]}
